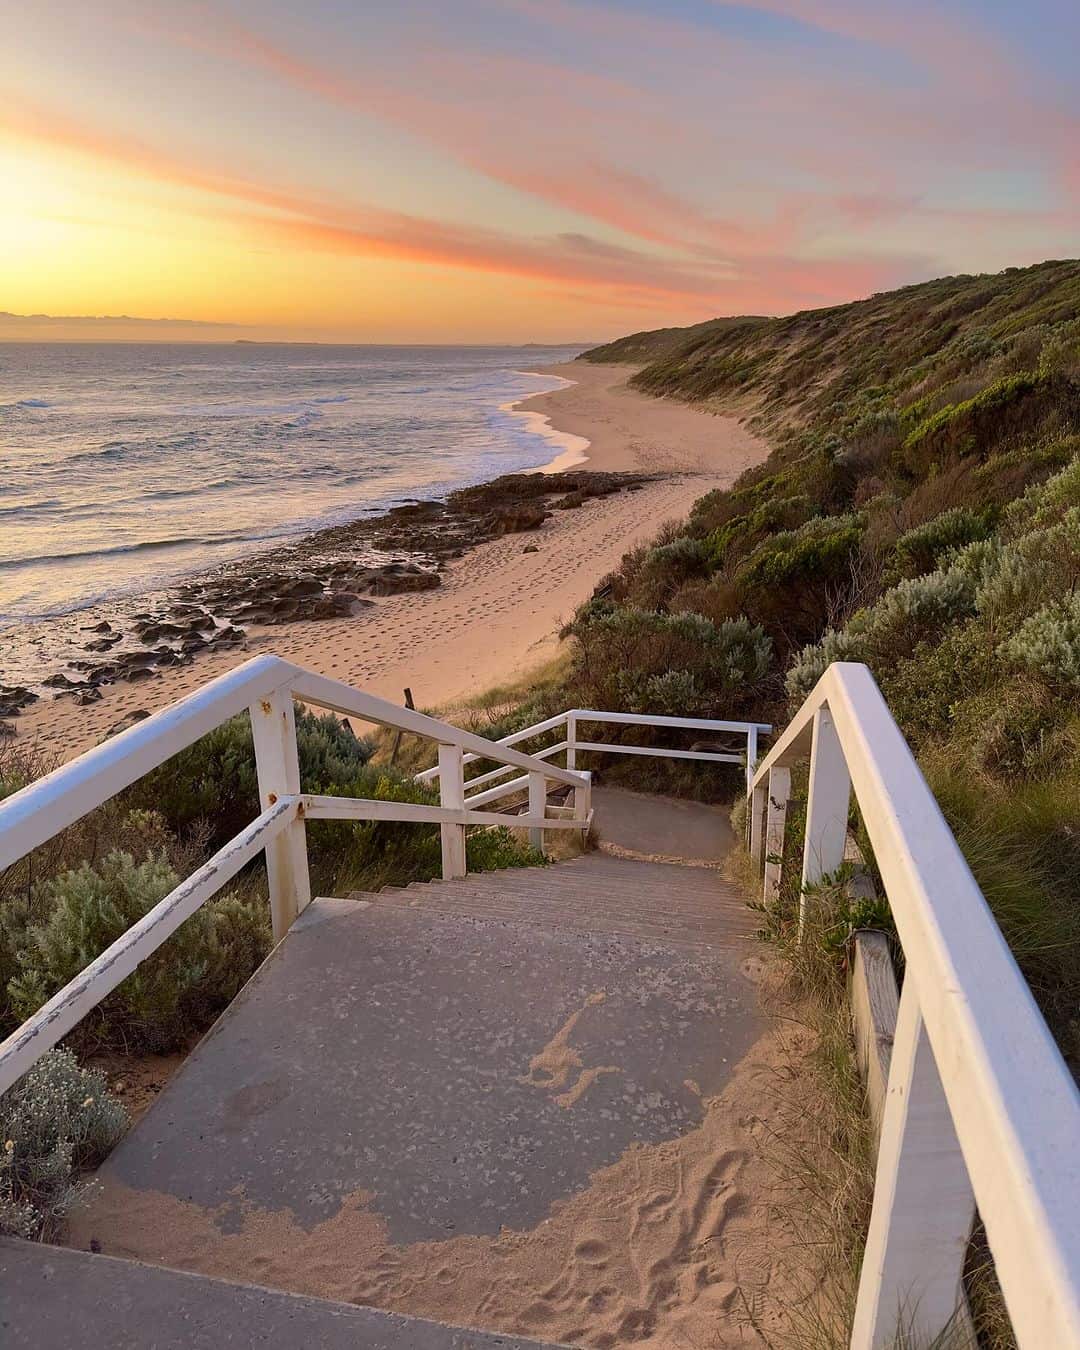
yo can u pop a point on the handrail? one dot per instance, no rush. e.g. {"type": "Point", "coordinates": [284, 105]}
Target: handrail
{"type": "Point", "coordinates": [266, 687]}
{"type": "Point", "coordinates": [977, 1088]}
{"type": "Point", "coordinates": [573, 716]}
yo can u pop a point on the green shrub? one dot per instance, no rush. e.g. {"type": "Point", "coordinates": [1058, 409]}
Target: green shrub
{"type": "Point", "coordinates": [1048, 643]}
{"type": "Point", "coordinates": [175, 991]}
{"type": "Point", "coordinates": [813, 661]}
{"type": "Point", "coordinates": [1015, 404]}
{"type": "Point", "coordinates": [214, 780]}
{"type": "Point", "coordinates": [920, 549]}
{"type": "Point", "coordinates": [818, 550]}
{"type": "Point", "coordinates": [56, 1120]}
{"type": "Point", "coordinates": [916, 608]}
{"type": "Point", "coordinates": [626, 658]}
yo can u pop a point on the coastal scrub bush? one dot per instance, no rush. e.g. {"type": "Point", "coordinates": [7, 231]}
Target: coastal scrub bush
{"type": "Point", "coordinates": [56, 1120]}
{"type": "Point", "coordinates": [175, 991]}
{"type": "Point", "coordinates": [627, 657]}
{"type": "Point", "coordinates": [667, 567]}
{"type": "Point", "coordinates": [214, 780]}
{"type": "Point", "coordinates": [1048, 643]}
{"type": "Point", "coordinates": [915, 609]}
{"type": "Point", "coordinates": [920, 549]}
{"type": "Point", "coordinates": [1014, 404]}
{"type": "Point", "coordinates": [814, 659]}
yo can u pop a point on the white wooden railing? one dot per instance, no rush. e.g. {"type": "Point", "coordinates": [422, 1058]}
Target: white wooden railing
{"type": "Point", "coordinates": [981, 1109]}
{"type": "Point", "coordinates": [746, 732]}
{"type": "Point", "coordinates": [267, 688]}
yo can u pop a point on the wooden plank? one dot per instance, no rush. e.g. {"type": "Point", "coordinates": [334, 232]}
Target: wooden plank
{"type": "Point", "coordinates": [537, 808]}
{"type": "Point", "coordinates": [368, 808]}
{"type": "Point", "coordinates": [324, 692]}
{"type": "Point", "coordinates": [756, 809]}
{"type": "Point", "coordinates": [452, 795]}
{"type": "Point", "coordinates": [779, 791]}
{"type": "Point", "coordinates": [910, 1287]}
{"type": "Point", "coordinates": [273, 729]}
{"type": "Point", "coordinates": [52, 1022]}
{"type": "Point", "coordinates": [601, 747]}
{"type": "Point", "coordinates": [651, 720]}
{"type": "Point", "coordinates": [828, 797]}
{"type": "Point", "coordinates": [33, 815]}
{"type": "Point", "coordinates": [875, 1002]}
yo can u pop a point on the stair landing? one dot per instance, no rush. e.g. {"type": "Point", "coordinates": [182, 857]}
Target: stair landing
{"type": "Point", "coordinates": [414, 1082]}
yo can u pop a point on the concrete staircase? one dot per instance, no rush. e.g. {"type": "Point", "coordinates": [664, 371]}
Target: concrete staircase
{"type": "Point", "coordinates": [596, 893]}
{"type": "Point", "coordinates": [383, 1090]}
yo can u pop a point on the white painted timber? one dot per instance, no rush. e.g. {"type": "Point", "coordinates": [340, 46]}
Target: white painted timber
{"type": "Point", "coordinates": [875, 1002]}
{"type": "Point", "coordinates": [651, 720]}
{"type": "Point", "coordinates": [324, 692]}
{"type": "Point", "coordinates": [756, 807]}
{"type": "Point", "coordinates": [416, 813]}
{"type": "Point", "coordinates": [273, 727]}
{"type": "Point", "coordinates": [1013, 1103]}
{"type": "Point", "coordinates": [537, 808]}
{"type": "Point", "coordinates": [40, 811]}
{"type": "Point", "coordinates": [924, 1209]}
{"type": "Point", "coordinates": [708, 757]}
{"type": "Point", "coordinates": [52, 1022]}
{"type": "Point", "coordinates": [452, 796]}
{"type": "Point", "coordinates": [779, 791]}
{"type": "Point", "coordinates": [828, 798]}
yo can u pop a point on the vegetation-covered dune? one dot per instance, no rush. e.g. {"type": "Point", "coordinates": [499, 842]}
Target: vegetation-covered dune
{"type": "Point", "coordinates": [920, 511]}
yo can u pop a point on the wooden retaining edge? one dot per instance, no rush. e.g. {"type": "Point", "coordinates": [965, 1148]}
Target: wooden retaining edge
{"type": "Point", "coordinates": [874, 1002]}
{"type": "Point", "coordinates": [873, 994]}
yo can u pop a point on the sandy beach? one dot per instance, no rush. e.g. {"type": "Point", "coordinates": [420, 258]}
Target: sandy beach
{"type": "Point", "coordinates": [499, 608]}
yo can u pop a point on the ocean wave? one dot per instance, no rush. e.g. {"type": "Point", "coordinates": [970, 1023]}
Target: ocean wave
{"type": "Point", "coordinates": [145, 545]}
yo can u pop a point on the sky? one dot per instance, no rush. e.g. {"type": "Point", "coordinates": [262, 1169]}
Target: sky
{"type": "Point", "coordinates": [518, 170]}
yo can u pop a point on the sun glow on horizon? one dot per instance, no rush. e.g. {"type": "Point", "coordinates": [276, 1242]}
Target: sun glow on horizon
{"type": "Point", "coordinates": [586, 171]}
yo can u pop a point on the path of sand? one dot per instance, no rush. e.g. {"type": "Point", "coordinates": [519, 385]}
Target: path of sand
{"type": "Point", "coordinates": [498, 611]}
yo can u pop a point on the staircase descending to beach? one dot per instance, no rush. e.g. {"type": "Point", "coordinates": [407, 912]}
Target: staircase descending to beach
{"type": "Point", "coordinates": [437, 1116]}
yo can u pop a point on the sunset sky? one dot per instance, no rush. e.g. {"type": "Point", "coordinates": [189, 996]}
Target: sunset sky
{"type": "Point", "coordinates": [520, 170]}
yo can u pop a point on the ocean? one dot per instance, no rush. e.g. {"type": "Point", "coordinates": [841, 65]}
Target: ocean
{"type": "Point", "coordinates": [126, 466]}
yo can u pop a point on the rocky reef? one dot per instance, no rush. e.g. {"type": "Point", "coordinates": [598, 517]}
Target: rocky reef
{"type": "Point", "coordinates": [330, 574]}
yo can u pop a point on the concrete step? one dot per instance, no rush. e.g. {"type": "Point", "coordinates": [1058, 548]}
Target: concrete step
{"type": "Point", "coordinates": [705, 909]}
{"type": "Point", "coordinates": [702, 931]}
{"type": "Point", "coordinates": [393, 1080]}
{"type": "Point", "coordinates": [52, 1298]}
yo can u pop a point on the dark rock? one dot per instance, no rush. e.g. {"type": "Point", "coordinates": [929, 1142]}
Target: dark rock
{"type": "Point", "coordinates": [405, 582]}
{"type": "Point", "coordinates": [130, 720]}
{"type": "Point", "coordinates": [570, 501]}
{"type": "Point", "coordinates": [136, 673]}
{"type": "Point", "coordinates": [6, 729]}
{"type": "Point", "coordinates": [88, 693]}
{"type": "Point", "coordinates": [531, 548]}
{"type": "Point", "coordinates": [516, 519]}
{"type": "Point", "coordinates": [103, 644]}
{"type": "Point", "coordinates": [103, 627]}
{"type": "Point", "coordinates": [58, 681]}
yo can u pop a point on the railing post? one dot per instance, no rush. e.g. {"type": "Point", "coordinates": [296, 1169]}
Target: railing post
{"type": "Point", "coordinates": [751, 756]}
{"type": "Point", "coordinates": [756, 807]}
{"type": "Point", "coordinates": [273, 729]}
{"type": "Point", "coordinates": [910, 1286]}
{"type": "Point", "coordinates": [537, 807]}
{"type": "Point", "coordinates": [583, 799]}
{"type": "Point", "coordinates": [779, 792]}
{"type": "Point", "coordinates": [827, 799]}
{"type": "Point", "coordinates": [452, 794]}
{"type": "Point", "coordinates": [571, 740]}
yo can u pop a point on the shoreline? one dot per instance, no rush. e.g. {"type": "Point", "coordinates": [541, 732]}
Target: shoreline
{"type": "Point", "coordinates": [495, 611]}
